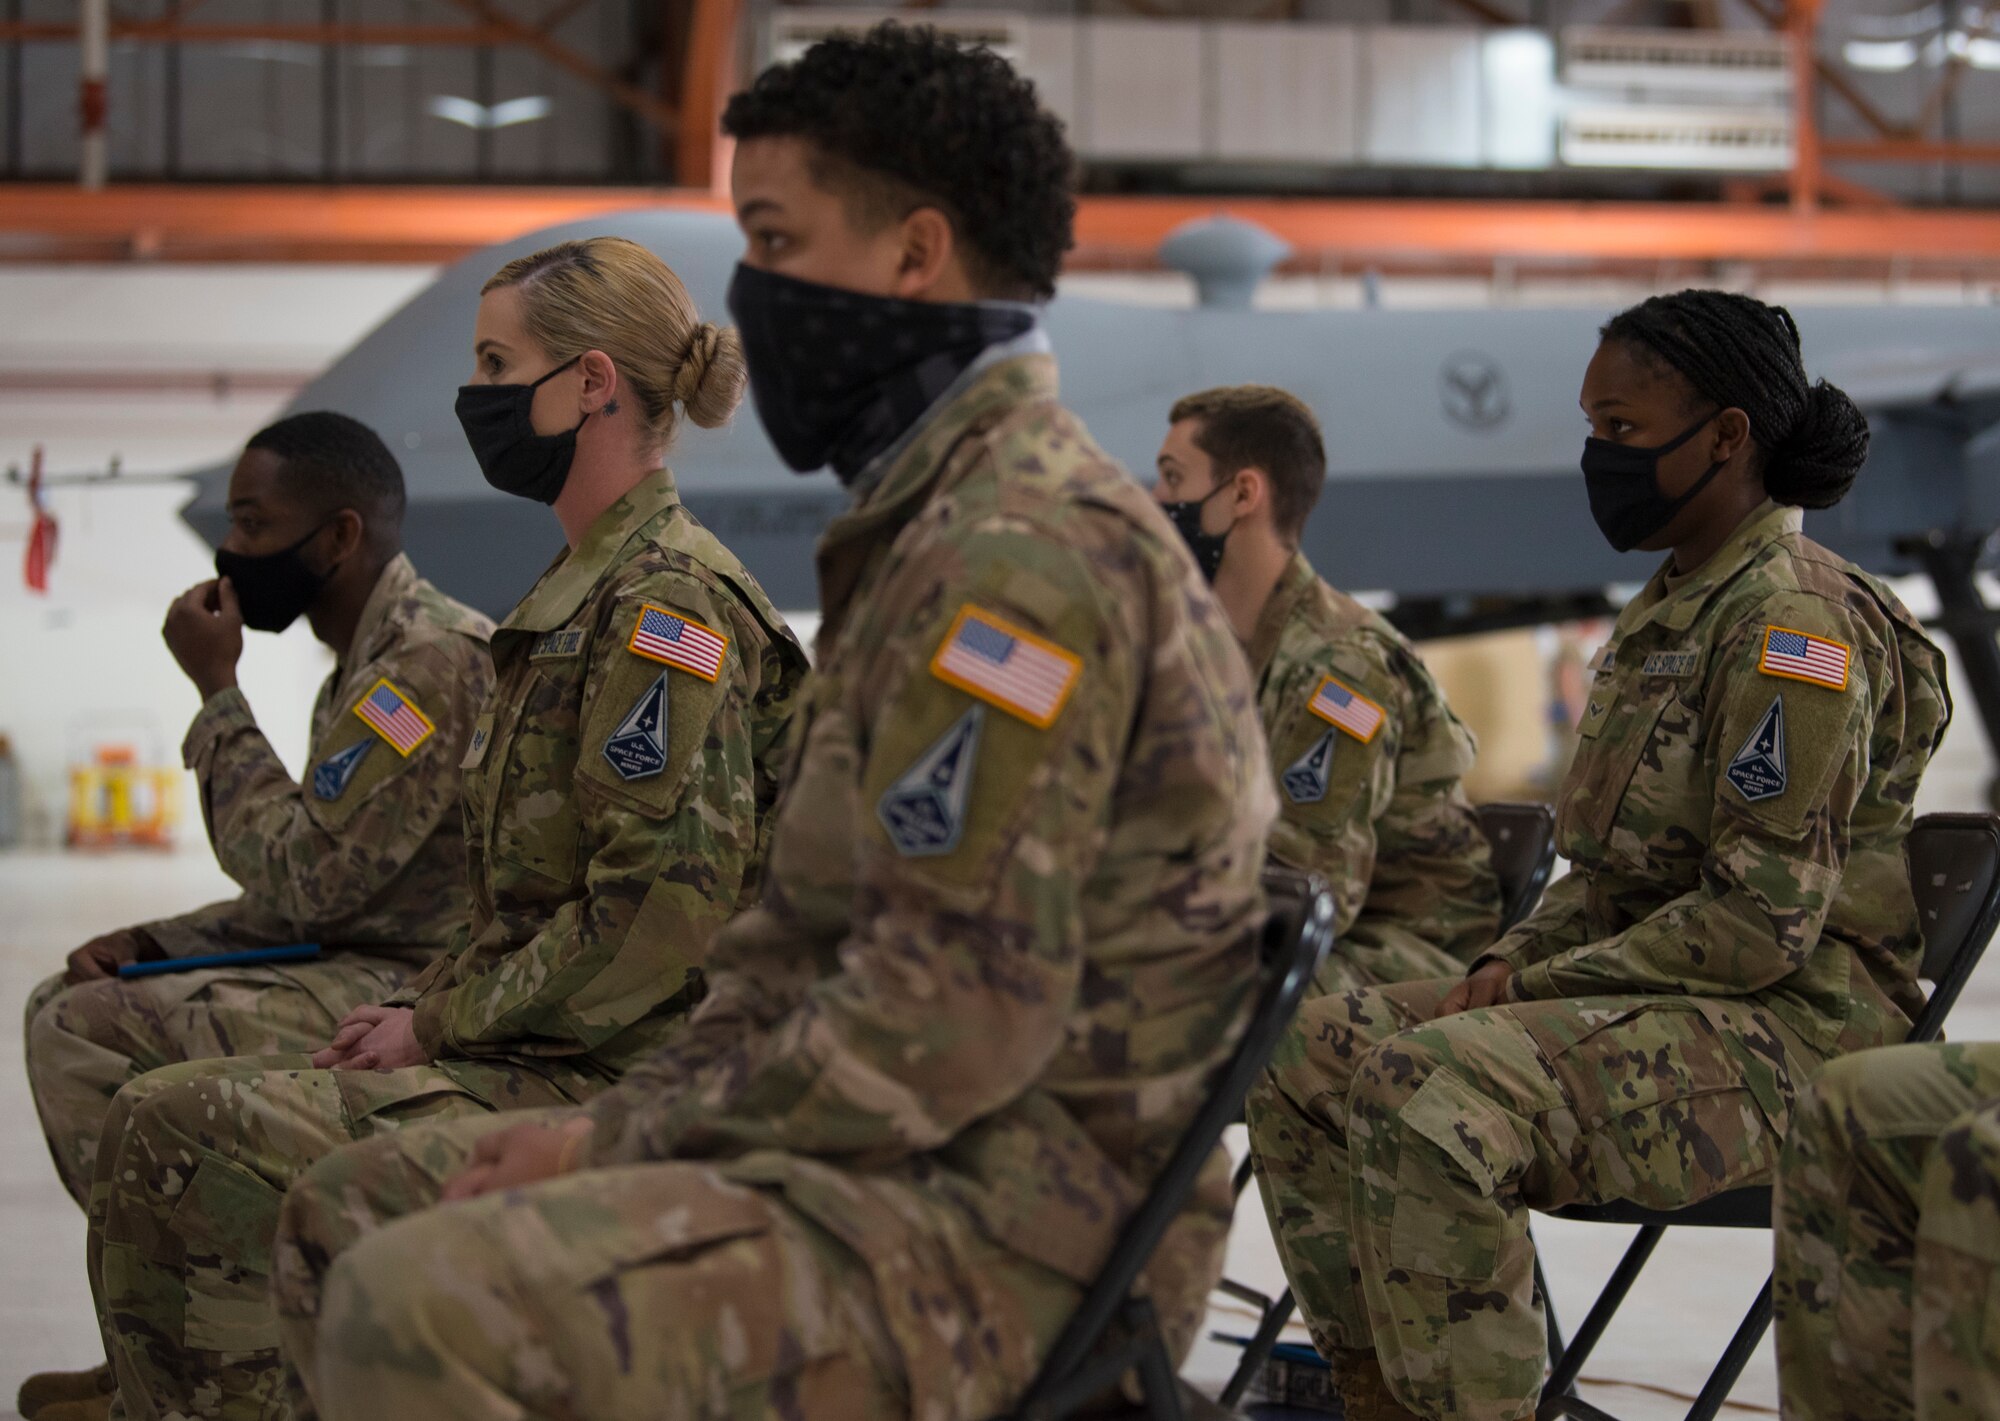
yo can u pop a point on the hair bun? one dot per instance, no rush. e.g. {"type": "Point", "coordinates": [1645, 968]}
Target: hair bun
{"type": "Point", "coordinates": [710, 382]}
{"type": "Point", "coordinates": [1816, 463]}
{"type": "Point", "coordinates": [699, 356]}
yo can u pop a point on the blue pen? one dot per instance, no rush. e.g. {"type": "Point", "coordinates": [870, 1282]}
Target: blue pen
{"type": "Point", "coordinates": [255, 957]}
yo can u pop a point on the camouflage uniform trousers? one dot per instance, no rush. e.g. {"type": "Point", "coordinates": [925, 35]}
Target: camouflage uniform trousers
{"type": "Point", "coordinates": [85, 1042]}
{"type": "Point", "coordinates": [1399, 1158]}
{"type": "Point", "coordinates": [192, 1167]}
{"type": "Point", "coordinates": [646, 1292]}
{"type": "Point", "coordinates": [1888, 1220]}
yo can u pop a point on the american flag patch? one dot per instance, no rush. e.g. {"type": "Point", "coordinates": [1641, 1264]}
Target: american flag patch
{"type": "Point", "coordinates": [1803, 657]}
{"type": "Point", "coordinates": [1347, 708]}
{"type": "Point", "coordinates": [394, 717]}
{"type": "Point", "coordinates": [666, 636]}
{"type": "Point", "coordinates": [1007, 667]}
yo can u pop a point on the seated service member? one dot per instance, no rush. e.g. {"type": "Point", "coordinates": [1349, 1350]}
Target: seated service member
{"type": "Point", "coordinates": [1887, 1213]}
{"type": "Point", "coordinates": [1008, 926]}
{"type": "Point", "coordinates": [1367, 755]}
{"type": "Point", "coordinates": [366, 857]}
{"type": "Point", "coordinates": [617, 794]}
{"type": "Point", "coordinates": [1738, 909]}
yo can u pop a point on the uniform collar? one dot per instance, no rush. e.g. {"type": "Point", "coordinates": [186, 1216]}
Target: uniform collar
{"type": "Point", "coordinates": [1279, 609]}
{"type": "Point", "coordinates": [380, 617]}
{"type": "Point", "coordinates": [1678, 610]}
{"type": "Point", "coordinates": [568, 583]}
{"type": "Point", "coordinates": [910, 477]}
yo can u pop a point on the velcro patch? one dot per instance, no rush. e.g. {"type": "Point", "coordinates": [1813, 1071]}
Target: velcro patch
{"type": "Point", "coordinates": [1680, 664]}
{"type": "Point", "coordinates": [560, 644]}
{"type": "Point", "coordinates": [1305, 780]}
{"type": "Point", "coordinates": [924, 810]}
{"type": "Point", "coordinates": [1801, 656]}
{"type": "Point", "coordinates": [333, 774]}
{"type": "Point", "coordinates": [395, 717]}
{"type": "Point", "coordinates": [1342, 705]}
{"type": "Point", "coordinates": [1007, 666]}
{"type": "Point", "coordinates": [1758, 771]}
{"type": "Point", "coordinates": [637, 749]}
{"type": "Point", "coordinates": [680, 642]}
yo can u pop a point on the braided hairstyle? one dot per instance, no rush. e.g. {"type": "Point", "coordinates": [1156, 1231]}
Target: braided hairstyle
{"type": "Point", "coordinates": [1739, 353]}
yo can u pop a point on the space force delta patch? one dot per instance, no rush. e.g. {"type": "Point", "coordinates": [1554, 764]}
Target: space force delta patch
{"type": "Point", "coordinates": [638, 747]}
{"type": "Point", "coordinates": [1758, 771]}
{"type": "Point", "coordinates": [1801, 656]}
{"type": "Point", "coordinates": [333, 774]}
{"type": "Point", "coordinates": [923, 812]}
{"type": "Point", "coordinates": [1007, 666]}
{"type": "Point", "coordinates": [1305, 779]}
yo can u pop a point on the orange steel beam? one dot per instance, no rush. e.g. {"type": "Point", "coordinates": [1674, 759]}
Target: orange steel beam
{"type": "Point", "coordinates": [361, 224]}
{"type": "Point", "coordinates": [708, 78]}
{"type": "Point", "coordinates": [1909, 150]}
{"type": "Point", "coordinates": [1802, 29]}
{"type": "Point", "coordinates": [172, 32]}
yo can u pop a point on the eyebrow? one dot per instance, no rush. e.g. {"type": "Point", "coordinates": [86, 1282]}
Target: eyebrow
{"type": "Point", "coordinates": [754, 206]}
{"type": "Point", "coordinates": [1604, 404]}
{"type": "Point", "coordinates": [488, 344]}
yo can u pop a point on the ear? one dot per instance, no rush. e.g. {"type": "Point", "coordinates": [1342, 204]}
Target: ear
{"type": "Point", "coordinates": [599, 381]}
{"type": "Point", "coordinates": [1251, 494]}
{"type": "Point", "coordinates": [346, 533]}
{"type": "Point", "coordinates": [929, 255]}
{"type": "Point", "coordinates": [1731, 434]}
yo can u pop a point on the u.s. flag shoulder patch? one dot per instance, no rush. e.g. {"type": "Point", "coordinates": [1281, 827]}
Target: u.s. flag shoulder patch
{"type": "Point", "coordinates": [1801, 656]}
{"type": "Point", "coordinates": [677, 641]}
{"type": "Point", "coordinates": [1007, 666]}
{"type": "Point", "coordinates": [1342, 705]}
{"type": "Point", "coordinates": [395, 717]}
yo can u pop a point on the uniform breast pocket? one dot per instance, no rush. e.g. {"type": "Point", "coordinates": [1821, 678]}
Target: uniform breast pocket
{"type": "Point", "coordinates": [535, 824]}
{"type": "Point", "coordinates": [1646, 739]}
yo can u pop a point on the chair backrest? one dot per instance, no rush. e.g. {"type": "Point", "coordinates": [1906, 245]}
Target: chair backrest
{"type": "Point", "coordinates": [1955, 875]}
{"type": "Point", "coordinates": [1296, 936]}
{"type": "Point", "coordinates": [1523, 837]}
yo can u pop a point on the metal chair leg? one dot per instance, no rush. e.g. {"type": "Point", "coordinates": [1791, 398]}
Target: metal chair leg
{"type": "Point", "coordinates": [1258, 1351]}
{"type": "Point", "coordinates": [1587, 1336]}
{"type": "Point", "coordinates": [1723, 1379]}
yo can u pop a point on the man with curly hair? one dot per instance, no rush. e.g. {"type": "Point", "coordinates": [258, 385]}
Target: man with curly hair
{"type": "Point", "coordinates": [1006, 929]}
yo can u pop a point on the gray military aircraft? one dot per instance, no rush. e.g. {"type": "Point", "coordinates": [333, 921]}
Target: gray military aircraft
{"type": "Point", "coordinates": [1452, 437]}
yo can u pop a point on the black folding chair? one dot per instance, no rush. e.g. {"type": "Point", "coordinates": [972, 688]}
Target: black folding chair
{"type": "Point", "coordinates": [1113, 1332]}
{"type": "Point", "coordinates": [1955, 872]}
{"type": "Point", "coordinates": [1523, 840]}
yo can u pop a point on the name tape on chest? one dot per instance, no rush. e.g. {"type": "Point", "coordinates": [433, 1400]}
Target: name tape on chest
{"type": "Point", "coordinates": [332, 775]}
{"type": "Point", "coordinates": [395, 717]}
{"type": "Point", "coordinates": [1007, 666]}
{"type": "Point", "coordinates": [1801, 656]}
{"type": "Point", "coordinates": [677, 641]}
{"type": "Point", "coordinates": [1678, 664]}
{"type": "Point", "coordinates": [560, 644]}
{"type": "Point", "coordinates": [1341, 705]}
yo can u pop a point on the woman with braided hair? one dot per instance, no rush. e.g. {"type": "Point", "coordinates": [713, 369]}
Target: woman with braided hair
{"type": "Point", "coordinates": [1738, 910]}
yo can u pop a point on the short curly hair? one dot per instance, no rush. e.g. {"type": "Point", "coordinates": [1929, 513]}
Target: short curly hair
{"type": "Point", "coordinates": [907, 112]}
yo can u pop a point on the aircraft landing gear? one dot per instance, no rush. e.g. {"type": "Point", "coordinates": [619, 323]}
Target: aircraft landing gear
{"type": "Point", "coordinates": [1951, 561]}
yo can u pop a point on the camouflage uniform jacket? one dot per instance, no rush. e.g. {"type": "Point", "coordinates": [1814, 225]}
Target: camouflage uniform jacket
{"type": "Point", "coordinates": [369, 850]}
{"type": "Point", "coordinates": [1369, 760]}
{"type": "Point", "coordinates": [617, 796]}
{"type": "Point", "coordinates": [1006, 932]}
{"type": "Point", "coordinates": [1736, 812]}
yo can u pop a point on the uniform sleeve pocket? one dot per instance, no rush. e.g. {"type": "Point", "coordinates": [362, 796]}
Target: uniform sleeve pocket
{"type": "Point", "coordinates": [226, 1219]}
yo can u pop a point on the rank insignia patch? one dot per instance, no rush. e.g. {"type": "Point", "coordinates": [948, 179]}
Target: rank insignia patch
{"type": "Point", "coordinates": [1006, 666]}
{"type": "Point", "coordinates": [395, 717]}
{"type": "Point", "coordinates": [1347, 708]}
{"type": "Point", "coordinates": [1305, 780]}
{"type": "Point", "coordinates": [1802, 657]}
{"type": "Point", "coordinates": [924, 810]}
{"type": "Point", "coordinates": [662, 636]}
{"type": "Point", "coordinates": [638, 747]}
{"type": "Point", "coordinates": [1758, 771]}
{"type": "Point", "coordinates": [336, 771]}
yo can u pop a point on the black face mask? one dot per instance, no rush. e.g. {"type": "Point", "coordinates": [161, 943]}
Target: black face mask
{"type": "Point", "coordinates": [272, 590]}
{"type": "Point", "coordinates": [838, 376]}
{"type": "Point", "coordinates": [499, 424]}
{"type": "Point", "coordinates": [1624, 487]}
{"type": "Point", "coordinates": [1207, 548]}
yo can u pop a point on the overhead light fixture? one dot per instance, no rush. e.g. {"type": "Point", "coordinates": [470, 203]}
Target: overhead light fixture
{"type": "Point", "coordinates": [1983, 53]}
{"type": "Point", "coordinates": [505, 114]}
{"type": "Point", "coordinates": [1880, 56]}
